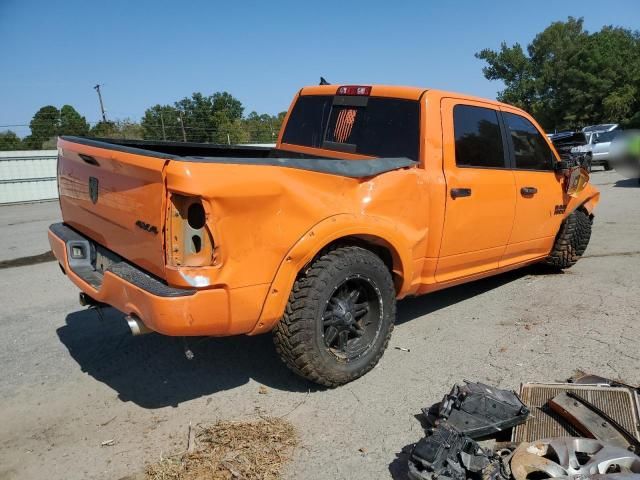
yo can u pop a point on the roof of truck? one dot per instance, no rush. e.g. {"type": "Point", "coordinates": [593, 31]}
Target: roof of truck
{"type": "Point", "coordinates": [397, 91]}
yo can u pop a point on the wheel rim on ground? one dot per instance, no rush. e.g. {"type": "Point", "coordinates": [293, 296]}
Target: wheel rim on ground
{"type": "Point", "coordinates": [352, 319]}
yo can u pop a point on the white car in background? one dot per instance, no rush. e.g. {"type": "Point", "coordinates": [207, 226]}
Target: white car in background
{"type": "Point", "coordinates": [598, 144]}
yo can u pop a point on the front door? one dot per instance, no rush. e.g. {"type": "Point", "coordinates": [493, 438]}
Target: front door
{"type": "Point", "coordinates": [540, 196]}
{"type": "Point", "coordinates": [480, 203]}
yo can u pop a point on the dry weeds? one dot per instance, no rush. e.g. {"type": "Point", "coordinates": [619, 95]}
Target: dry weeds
{"type": "Point", "coordinates": [232, 450]}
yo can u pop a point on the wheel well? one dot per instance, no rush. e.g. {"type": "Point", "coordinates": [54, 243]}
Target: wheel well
{"type": "Point", "coordinates": [585, 211]}
{"type": "Point", "coordinates": [376, 245]}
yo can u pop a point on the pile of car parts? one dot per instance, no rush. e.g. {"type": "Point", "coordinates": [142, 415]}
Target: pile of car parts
{"type": "Point", "coordinates": [587, 429]}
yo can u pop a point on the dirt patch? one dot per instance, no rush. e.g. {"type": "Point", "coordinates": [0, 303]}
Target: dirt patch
{"type": "Point", "coordinates": [226, 450]}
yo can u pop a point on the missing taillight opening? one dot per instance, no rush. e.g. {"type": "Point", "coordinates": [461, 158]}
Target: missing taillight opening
{"type": "Point", "coordinates": [190, 240]}
{"type": "Point", "coordinates": [196, 243]}
{"type": "Point", "coordinates": [196, 216]}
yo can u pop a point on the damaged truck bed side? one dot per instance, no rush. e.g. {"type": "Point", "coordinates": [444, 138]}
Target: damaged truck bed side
{"type": "Point", "coordinates": [372, 193]}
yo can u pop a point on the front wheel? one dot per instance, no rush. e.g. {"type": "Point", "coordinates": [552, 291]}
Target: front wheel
{"type": "Point", "coordinates": [339, 318]}
{"type": "Point", "coordinates": [607, 166]}
{"type": "Point", "coordinates": [571, 241]}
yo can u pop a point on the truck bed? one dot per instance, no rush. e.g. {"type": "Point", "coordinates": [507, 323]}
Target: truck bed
{"type": "Point", "coordinates": [247, 155]}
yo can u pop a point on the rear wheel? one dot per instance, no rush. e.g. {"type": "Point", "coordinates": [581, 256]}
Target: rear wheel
{"type": "Point", "coordinates": [339, 318]}
{"type": "Point", "coordinates": [571, 241]}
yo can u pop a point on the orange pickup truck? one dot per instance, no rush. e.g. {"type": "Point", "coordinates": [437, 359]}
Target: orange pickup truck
{"type": "Point", "coordinates": [371, 194]}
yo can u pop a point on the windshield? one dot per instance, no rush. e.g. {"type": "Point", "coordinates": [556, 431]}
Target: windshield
{"type": "Point", "coordinates": [375, 126]}
{"type": "Point", "coordinates": [599, 128]}
{"type": "Point", "coordinates": [605, 136]}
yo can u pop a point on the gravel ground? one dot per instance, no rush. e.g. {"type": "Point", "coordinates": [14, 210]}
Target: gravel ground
{"type": "Point", "coordinates": [71, 381]}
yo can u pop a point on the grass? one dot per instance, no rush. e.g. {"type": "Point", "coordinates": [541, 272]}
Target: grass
{"type": "Point", "coordinates": [228, 450]}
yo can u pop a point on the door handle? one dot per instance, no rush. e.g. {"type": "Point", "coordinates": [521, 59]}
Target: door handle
{"type": "Point", "coordinates": [460, 192]}
{"type": "Point", "coordinates": [528, 191]}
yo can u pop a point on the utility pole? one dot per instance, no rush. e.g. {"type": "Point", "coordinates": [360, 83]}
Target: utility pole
{"type": "Point", "coordinates": [97, 88]}
{"type": "Point", "coordinates": [184, 134]}
{"type": "Point", "coordinates": [164, 135]}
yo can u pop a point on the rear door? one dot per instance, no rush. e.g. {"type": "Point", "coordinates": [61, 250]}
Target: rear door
{"type": "Point", "coordinates": [480, 203]}
{"type": "Point", "coordinates": [115, 198]}
{"type": "Point", "coordinates": [541, 200]}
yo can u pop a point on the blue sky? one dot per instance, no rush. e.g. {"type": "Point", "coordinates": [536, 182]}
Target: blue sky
{"type": "Point", "coordinates": [147, 52]}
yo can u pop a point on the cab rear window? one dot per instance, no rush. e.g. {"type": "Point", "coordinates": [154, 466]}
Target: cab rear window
{"type": "Point", "coordinates": [376, 126]}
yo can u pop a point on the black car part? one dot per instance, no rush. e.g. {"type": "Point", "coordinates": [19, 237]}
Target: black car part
{"type": "Point", "coordinates": [446, 453]}
{"type": "Point", "coordinates": [565, 141]}
{"type": "Point", "coordinates": [478, 410]}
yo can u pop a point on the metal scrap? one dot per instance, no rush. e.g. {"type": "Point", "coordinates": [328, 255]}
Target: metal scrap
{"type": "Point", "coordinates": [592, 421]}
{"type": "Point", "coordinates": [617, 402]}
{"type": "Point", "coordinates": [570, 457]}
{"type": "Point", "coordinates": [449, 450]}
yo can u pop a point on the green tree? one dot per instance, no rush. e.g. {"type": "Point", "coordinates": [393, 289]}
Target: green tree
{"type": "Point", "coordinates": [160, 122]}
{"type": "Point", "coordinates": [198, 117]}
{"type": "Point", "coordinates": [49, 122]}
{"type": "Point", "coordinates": [225, 102]}
{"type": "Point", "coordinates": [216, 118]}
{"type": "Point", "coordinates": [227, 129]}
{"type": "Point", "coordinates": [569, 77]}
{"type": "Point", "coordinates": [72, 123]}
{"type": "Point", "coordinates": [126, 129]}
{"type": "Point", "coordinates": [104, 129]}
{"type": "Point", "coordinates": [44, 126]}
{"type": "Point", "coordinates": [263, 128]}
{"type": "Point", "coordinates": [10, 141]}
{"type": "Point", "coordinates": [129, 129]}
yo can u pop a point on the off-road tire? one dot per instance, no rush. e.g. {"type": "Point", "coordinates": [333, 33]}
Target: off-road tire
{"type": "Point", "coordinates": [571, 241]}
{"type": "Point", "coordinates": [299, 336]}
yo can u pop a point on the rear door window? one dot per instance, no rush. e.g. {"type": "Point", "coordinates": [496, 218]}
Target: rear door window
{"type": "Point", "coordinates": [478, 138]}
{"type": "Point", "coordinates": [375, 126]}
{"type": "Point", "coordinates": [530, 149]}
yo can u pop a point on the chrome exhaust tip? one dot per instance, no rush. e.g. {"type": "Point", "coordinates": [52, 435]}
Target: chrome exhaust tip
{"type": "Point", "coordinates": [136, 325]}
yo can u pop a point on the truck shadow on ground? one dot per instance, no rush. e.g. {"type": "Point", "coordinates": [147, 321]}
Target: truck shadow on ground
{"type": "Point", "coordinates": [153, 371]}
{"type": "Point", "coordinates": [414, 307]}
{"type": "Point", "coordinates": [628, 183]}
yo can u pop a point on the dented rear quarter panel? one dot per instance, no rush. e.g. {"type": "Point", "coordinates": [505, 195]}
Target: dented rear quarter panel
{"type": "Point", "coordinates": [257, 215]}
{"type": "Point", "coordinates": [269, 222]}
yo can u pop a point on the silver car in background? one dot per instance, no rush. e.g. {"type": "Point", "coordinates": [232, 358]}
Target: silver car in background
{"type": "Point", "coordinates": [598, 144]}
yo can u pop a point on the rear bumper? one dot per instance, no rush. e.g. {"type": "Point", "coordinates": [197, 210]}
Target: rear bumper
{"type": "Point", "coordinates": [162, 308]}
